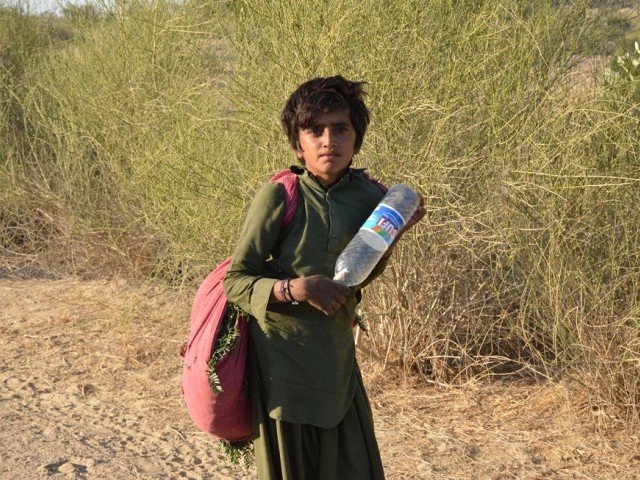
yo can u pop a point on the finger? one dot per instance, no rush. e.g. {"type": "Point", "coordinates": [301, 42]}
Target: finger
{"type": "Point", "coordinates": [324, 307]}
{"type": "Point", "coordinates": [418, 214]}
{"type": "Point", "coordinates": [327, 307]}
{"type": "Point", "coordinates": [340, 298]}
{"type": "Point", "coordinates": [332, 308]}
{"type": "Point", "coordinates": [342, 289]}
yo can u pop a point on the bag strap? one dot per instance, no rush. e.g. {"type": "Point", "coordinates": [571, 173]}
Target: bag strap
{"type": "Point", "coordinates": [289, 180]}
{"type": "Point", "coordinates": [381, 186]}
{"type": "Point", "coordinates": [203, 302]}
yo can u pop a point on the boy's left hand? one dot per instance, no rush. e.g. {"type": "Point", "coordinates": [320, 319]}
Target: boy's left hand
{"type": "Point", "coordinates": [417, 215]}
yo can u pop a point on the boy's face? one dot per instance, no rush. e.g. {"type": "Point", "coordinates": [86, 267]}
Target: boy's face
{"type": "Point", "coordinates": [328, 146]}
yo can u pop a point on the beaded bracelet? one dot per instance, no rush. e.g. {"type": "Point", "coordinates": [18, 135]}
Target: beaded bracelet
{"type": "Point", "coordinates": [283, 293]}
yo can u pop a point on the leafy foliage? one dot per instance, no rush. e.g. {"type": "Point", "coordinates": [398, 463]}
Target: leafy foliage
{"type": "Point", "coordinates": [238, 451]}
{"type": "Point", "coordinates": [623, 75]}
{"type": "Point", "coordinates": [226, 341]}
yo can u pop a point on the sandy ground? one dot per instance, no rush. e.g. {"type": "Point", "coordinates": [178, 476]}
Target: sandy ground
{"type": "Point", "coordinates": [89, 390]}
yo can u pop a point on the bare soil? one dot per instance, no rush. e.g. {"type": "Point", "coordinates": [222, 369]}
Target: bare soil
{"type": "Point", "coordinates": [89, 390]}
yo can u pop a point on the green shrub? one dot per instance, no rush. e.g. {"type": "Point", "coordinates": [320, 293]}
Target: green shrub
{"type": "Point", "coordinates": [136, 145]}
{"type": "Point", "coordinates": [622, 77]}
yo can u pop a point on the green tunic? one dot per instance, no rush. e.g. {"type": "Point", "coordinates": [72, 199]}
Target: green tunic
{"type": "Point", "coordinates": [305, 360]}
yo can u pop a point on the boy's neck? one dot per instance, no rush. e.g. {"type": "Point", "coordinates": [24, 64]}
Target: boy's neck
{"type": "Point", "coordinates": [327, 185]}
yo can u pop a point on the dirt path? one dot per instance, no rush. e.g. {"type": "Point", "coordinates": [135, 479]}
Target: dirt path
{"type": "Point", "coordinates": [88, 390]}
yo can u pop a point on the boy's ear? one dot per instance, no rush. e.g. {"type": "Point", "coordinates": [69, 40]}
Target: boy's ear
{"type": "Point", "coordinates": [298, 153]}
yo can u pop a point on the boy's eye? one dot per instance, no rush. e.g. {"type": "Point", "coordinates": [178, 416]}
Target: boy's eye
{"type": "Point", "coordinates": [319, 130]}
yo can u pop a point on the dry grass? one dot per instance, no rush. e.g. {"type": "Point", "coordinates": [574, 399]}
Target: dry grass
{"type": "Point", "coordinates": [104, 383]}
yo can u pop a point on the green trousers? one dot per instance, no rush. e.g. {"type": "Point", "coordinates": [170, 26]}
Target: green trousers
{"type": "Point", "coordinates": [292, 451]}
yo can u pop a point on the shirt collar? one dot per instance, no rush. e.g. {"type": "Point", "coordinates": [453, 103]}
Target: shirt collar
{"type": "Point", "coordinates": [308, 177]}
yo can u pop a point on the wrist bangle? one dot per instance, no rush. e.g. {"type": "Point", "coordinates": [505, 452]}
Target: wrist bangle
{"type": "Point", "coordinates": [285, 287]}
{"type": "Point", "coordinates": [293, 302]}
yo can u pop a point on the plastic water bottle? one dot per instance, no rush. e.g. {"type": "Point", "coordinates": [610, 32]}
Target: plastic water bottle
{"type": "Point", "coordinates": [375, 236]}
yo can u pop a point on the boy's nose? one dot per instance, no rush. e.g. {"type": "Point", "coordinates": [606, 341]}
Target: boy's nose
{"type": "Point", "coordinates": [328, 138]}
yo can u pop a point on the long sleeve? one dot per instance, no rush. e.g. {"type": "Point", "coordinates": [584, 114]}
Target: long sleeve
{"type": "Point", "coordinates": [306, 358]}
{"type": "Point", "coordinates": [244, 283]}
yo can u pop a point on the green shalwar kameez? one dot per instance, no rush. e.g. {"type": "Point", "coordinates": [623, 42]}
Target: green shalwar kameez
{"type": "Point", "coordinates": [311, 416]}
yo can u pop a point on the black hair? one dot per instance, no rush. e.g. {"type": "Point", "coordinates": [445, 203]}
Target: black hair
{"type": "Point", "coordinates": [322, 95]}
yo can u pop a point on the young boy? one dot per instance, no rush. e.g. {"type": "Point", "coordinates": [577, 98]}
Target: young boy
{"type": "Point", "coordinates": [311, 415]}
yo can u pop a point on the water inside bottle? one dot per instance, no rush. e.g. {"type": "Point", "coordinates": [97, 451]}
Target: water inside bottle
{"type": "Point", "coordinates": [375, 241]}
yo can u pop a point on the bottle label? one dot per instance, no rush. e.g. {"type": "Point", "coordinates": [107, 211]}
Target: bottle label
{"type": "Point", "coordinates": [386, 222]}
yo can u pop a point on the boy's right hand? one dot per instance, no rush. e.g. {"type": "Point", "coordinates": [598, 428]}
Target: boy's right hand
{"type": "Point", "coordinates": [320, 292]}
